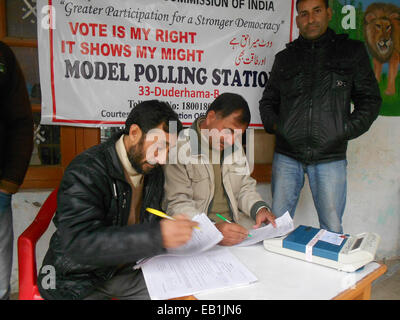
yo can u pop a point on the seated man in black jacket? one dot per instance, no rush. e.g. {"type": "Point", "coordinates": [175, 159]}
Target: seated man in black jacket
{"type": "Point", "coordinates": [307, 105]}
{"type": "Point", "coordinates": [102, 225]}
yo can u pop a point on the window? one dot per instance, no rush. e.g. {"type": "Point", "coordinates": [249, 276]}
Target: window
{"type": "Point", "coordinates": [54, 146]}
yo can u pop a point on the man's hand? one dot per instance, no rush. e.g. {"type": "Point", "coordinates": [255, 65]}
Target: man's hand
{"type": "Point", "coordinates": [233, 233]}
{"type": "Point", "coordinates": [178, 232]}
{"type": "Point", "coordinates": [264, 216]}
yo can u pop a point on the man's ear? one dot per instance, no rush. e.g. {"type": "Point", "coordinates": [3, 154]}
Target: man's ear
{"type": "Point", "coordinates": [211, 116]}
{"type": "Point", "coordinates": [135, 134]}
{"type": "Point", "coordinates": [330, 13]}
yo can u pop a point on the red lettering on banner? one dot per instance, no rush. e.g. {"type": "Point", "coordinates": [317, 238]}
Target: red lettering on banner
{"type": "Point", "coordinates": [118, 31]}
{"type": "Point", "coordinates": [136, 33]}
{"type": "Point", "coordinates": [141, 52]}
{"type": "Point", "coordinates": [95, 29]}
{"type": "Point", "coordinates": [175, 36]}
{"type": "Point", "coordinates": [70, 45]}
{"type": "Point", "coordinates": [181, 54]}
{"type": "Point", "coordinates": [106, 49]}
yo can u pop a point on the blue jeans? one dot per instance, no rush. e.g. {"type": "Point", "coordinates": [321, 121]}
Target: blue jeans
{"type": "Point", "coordinates": [6, 245]}
{"type": "Point", "coordinates": [328, 184]}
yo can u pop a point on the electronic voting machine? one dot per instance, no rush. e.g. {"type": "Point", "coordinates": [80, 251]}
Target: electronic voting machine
{"type": "Point", "coordinates": [339, 251]}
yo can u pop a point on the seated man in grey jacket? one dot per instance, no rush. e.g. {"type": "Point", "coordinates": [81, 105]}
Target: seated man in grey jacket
{"type": "Point", "coordinates": [209, 171]}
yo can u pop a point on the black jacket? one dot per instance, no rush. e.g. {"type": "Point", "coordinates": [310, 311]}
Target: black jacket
{"type": "Point", "coordinates": [16, 122]}
{"type": "Point", "coordinates": [306, 101]}
{"type": "Point", "coordinates": [92, 238]}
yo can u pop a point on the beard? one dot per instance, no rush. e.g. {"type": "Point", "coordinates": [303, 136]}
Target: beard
{"type": "Point", "coordinates": [137, 158]}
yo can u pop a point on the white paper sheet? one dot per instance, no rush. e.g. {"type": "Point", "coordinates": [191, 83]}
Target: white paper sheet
{"type": "Point", "coordinates": [176, 276]}
{"type": "Point", "coordinates": [284, 225]}
{"type": "Point", "coordinates": [203, 239]}
{"type": "Point", "coordinates": [333, 238]}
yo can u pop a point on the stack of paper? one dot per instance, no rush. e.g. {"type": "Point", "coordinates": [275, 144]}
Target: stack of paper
{"type": "Point", "coordinates": [176, 276]}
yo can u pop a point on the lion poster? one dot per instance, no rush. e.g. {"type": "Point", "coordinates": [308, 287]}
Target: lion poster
{"type": "Point", "coordinates": [378, 25]}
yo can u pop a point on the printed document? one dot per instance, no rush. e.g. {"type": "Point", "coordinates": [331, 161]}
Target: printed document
{"type": "Point", "coordinates": [204, 238]}
{"type": "Point", "coordinates": [284, 225]}
{"type": "Point", "coordinates": [176, 276]}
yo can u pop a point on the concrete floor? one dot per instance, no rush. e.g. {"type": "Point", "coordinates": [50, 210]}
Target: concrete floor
{"type": "Point", "coordinates": [387, 287]}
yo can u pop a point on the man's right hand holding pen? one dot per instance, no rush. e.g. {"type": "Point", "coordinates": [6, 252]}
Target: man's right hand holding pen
{"type": "Point", "coordinates": [234, 233]}
{"type": "Point", "coordinates": [177, 232]}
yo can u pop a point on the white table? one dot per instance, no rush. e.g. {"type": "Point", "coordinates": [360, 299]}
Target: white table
{"type": "Point", "coordinates": [282, 277]}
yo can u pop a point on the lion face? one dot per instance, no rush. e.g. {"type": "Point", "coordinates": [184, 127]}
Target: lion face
{"type": "Point", "coordinates": [383, 36]}
{"type": "Point", "coordinates": [380, 35]}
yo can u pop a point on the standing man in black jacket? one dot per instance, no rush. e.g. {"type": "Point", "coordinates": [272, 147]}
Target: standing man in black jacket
{"type": "Point", "coordinates": [102, 225]}
{"type": "Point", "coordinates": [306, 104]}
{"type": "Point", "coordinates": [16, 144]}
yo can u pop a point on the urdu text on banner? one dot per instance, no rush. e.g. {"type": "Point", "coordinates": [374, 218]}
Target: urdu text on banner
{"type": "Point", "coordinates": [99, 59]}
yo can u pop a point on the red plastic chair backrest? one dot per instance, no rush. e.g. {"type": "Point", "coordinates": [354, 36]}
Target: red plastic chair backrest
{"type": "Point", "coordinates": [27, 272]}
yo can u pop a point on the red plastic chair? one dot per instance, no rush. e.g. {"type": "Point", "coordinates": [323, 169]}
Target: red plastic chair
{"type": "Point", "coordinates": [27, 272]}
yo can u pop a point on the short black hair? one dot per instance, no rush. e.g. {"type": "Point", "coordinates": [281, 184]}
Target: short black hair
{"type": "Point", "coordinates": [150, 114]}
{"type": "Point", "coordinates": [228, 103]}
{"type": "Point", "coordinates": [298, 1]}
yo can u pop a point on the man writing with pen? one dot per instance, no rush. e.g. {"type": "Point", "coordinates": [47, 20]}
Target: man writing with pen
{"type": "Point", "coordinates": [210, 173]}
{"type": "Point", "coordinates": [102, 226]}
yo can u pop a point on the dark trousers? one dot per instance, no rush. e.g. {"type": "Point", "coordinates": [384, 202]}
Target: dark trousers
{"type": "Point", "coordinates": [126, 284]}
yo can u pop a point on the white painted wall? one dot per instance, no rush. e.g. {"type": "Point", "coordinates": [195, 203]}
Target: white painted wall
{"type": "Point", "coordinates": [373, 197]}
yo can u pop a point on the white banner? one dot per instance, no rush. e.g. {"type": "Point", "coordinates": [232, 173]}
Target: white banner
{"type": "Point", "coordinates": [98, 59]}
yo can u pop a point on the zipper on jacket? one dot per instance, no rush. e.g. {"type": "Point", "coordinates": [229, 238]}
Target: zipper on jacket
{"type": "Point", "coordinates": [115, 191]}
{"type": "Point", "coordinates": [211, 197]}
{"type": "Point", "coordinates": [115, 196]}
{"type": "Point", "coordinates": [122, 205]}
{"type": "Point", "coordinates": [227, 197]}
{"type": "Point", "coordinates": [310, 110]}
{"type": "Point", "coordinates": [309, 152]}
{"type": "Point", "coordinates": [126, 203]}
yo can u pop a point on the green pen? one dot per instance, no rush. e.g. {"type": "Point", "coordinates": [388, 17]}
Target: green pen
{"type": "Point", "coordinates": [226, 220]}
